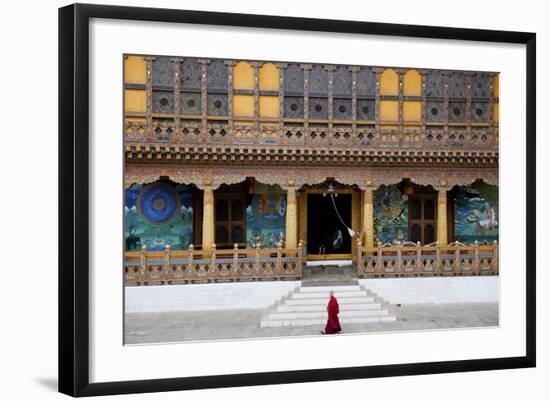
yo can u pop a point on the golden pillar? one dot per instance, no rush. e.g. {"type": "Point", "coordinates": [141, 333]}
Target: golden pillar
{"type": "Point", "coordinates": [355, 221]}
{"type": "Point", "coordinates": [302, 218]}
{"type": "Point", "coordinates": [442, 214]}
{"type": "Point", "coordinates": [208, 218]}
{"type": "Point", "coordinates": [368, 216]}
{"type": "Point", "coordinates": [291, 219]}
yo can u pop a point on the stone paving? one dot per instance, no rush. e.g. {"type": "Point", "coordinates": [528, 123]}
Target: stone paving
{"type": "Point", "coordinates": [329, 273]}
{"type": "Point", "coordinates": [165, 327]}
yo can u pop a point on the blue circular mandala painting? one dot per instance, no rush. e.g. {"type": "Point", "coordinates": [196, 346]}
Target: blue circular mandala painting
{"type": "Point", "coordinates": [158, 203]}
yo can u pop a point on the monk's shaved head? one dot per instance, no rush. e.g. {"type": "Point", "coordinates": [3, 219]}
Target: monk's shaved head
{"type": "Point", "coordinates": [331, 293]}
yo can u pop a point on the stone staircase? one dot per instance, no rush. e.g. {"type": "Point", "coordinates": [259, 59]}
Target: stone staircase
{"type": "Point", "coordinates": [306, 306]}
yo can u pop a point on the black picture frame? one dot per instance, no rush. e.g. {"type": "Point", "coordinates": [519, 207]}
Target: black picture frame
{"type": "Point", "coordinates": [74, 198]}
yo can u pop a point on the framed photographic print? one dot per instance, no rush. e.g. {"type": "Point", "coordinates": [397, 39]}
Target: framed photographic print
{"type": "Point", "coordinates": [250, 199]}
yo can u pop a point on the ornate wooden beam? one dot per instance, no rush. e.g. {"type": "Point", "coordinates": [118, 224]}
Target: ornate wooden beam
{"type": "Point", "coordinates": [310, 155]}
{"type": "Point", "coordinates": [290, 177]}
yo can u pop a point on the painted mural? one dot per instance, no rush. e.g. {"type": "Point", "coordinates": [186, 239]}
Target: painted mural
{"type": "Point", "coordinates": [476, 213]}
{"type": "Point", "coordinates": [265, 216]}
{"type": "Point", "coordinates": [390, 214]}
{"type": "Point", "coordinates": [157, 215]}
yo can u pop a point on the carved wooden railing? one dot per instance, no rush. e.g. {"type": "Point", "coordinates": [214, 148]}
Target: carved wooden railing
{"type": "Point", "coordinates": [207, 266]}
{"type": "Point", "coordinates": [409, 259]}
{"type": "Point", "coordinates": [296, 136]}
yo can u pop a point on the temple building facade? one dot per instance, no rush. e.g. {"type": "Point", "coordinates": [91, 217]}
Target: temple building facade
{"type": "Point", "coordinates": [246, 170]}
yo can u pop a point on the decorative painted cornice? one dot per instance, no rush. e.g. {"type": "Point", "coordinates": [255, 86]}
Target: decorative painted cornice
{"type": "Point", "coordinates": [285, 177]}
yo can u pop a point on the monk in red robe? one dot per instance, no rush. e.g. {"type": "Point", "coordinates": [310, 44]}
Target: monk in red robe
{"type": "Point", "coordinates": [333, 323]}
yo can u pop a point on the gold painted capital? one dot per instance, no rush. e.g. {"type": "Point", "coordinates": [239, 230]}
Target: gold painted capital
{"type": "Point", "coordinates": [290, 184]}
{"type": "Point", "coordinates": [442, 185]}
{"type": "Point", "coordinates": [369, 185]}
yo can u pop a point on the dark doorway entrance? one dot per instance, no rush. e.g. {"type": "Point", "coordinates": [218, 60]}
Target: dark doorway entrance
{"type": "Point", "coordinates": [422, 217]}
{"type": "Point", "coordinates": [230, 220]}
{"type": "Point", "coordinates": [325, 232]}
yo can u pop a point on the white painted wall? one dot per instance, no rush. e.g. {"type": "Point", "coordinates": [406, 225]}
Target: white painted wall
{"type": "Point", "coordinates": [203, 297]}
{"type": "Point", "coordinates": [257, 295]}
{"type": "Point", "coordinates": [436, 290]}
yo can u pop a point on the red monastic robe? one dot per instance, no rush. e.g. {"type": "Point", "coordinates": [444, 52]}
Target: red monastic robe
{"type": "Point", "coordinates": [333, 324]}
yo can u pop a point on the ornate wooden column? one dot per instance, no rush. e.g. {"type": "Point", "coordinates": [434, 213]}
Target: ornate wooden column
{"type": "Point", "coordinates": [256, 66]}
{"type": "Point", "coordinates": [442, 213]}
{"type": "Point", "coordinates": [208, 215]}
{"type": "Point", "coordinates": [377, 71]}
{"type": "Point", "coordinates": [230, 64]}
{"type": "Point", "coordinates": [354, 71]}
{"type": "Point", "coordinates": [469, 105]}
{"type": "Point", "coordinates": [302, 218]}
{"type": "Point", "coordinates": [368, 215]}
{"type": "Point", "coordinates": [282, 67]}
{"type": "Point", "coordinates": [356, 222]}
{"type": "Point", "coordinates": [491, 104]}
{"type": "Point", "coordinates": [204, 94]}
{"type": "Point", "coordinates": [401, 75]}
{"type": "Point", "coordinates": [291, 216]}
{"type": "Point", "coordinates": [149, 96]}
{"type": "Point", "coordinates": [423, 75]}
{"type": "Point", "coordinates": [330, 102]}
{"type": "Point", "coordinates": [446, 75]}
{"type": "Point", "coordinates": [306, 68]}
{"type": "Point", "coordinates": [177, 92]}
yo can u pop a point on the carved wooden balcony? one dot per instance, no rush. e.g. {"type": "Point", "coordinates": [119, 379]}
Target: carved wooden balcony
{"type": "Point", "coordinates": [409, 259]}
{"type": "Point", "coordinates": [204, 266]}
